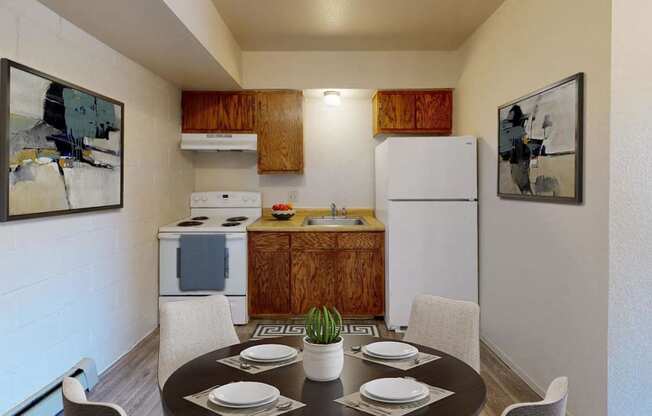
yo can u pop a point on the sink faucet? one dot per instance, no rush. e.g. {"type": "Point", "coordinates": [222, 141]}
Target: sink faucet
{"type": "Point", "coordinates": [333, 209]}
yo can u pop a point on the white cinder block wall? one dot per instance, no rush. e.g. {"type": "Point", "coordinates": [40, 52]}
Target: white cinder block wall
{"type": "Point", "coordinates": [86, 285]}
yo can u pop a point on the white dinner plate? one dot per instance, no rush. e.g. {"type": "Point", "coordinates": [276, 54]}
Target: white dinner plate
{"type": "Point", "coordinates": [391, 349]}
{"type": "Point", "coordinates": [394, 390]}
{"type": "Point", "coordinates": [244, 406]}
{"type": "Point", "coordinates": [399, 357]}
{"type": "Point", "coordinates": [366, 394]}
{"type": "Point", "coordinates": [269, 353]}
{"type": "Point", "coordinates": [244, 394]}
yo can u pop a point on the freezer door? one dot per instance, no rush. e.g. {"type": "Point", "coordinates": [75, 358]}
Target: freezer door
{"type": "Point", "coordinates": [431, 168]}
{"type": "Point", "coordinates": [431, 249]}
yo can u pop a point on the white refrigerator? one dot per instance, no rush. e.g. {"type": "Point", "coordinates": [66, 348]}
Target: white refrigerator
{"type": "Point", "coordinates": [426, 195]}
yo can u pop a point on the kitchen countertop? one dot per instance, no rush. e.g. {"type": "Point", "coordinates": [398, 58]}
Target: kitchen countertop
{"type": "Point", "coordinates": [295, 224]}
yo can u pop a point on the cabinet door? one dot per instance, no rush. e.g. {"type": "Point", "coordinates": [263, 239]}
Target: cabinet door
{"type": "Point", "coordinates": [218, 112]}
{"type": "Point", "coordinates": [236, 112]}
{"type": "Point", "coordinates": [279, 126]}
{"type": "Point", "coordinates": [315, 280]}
{"type": "Point", "coordinates": [269, 274]}
{"type": "Point", "coordinates": [362, 275]}
{"type": "Point", "coordinates": [200, 111]}
{"type": "Point", "coordinates": [396, 111]}
{"type": "Point", "coordinates": [434, 111]}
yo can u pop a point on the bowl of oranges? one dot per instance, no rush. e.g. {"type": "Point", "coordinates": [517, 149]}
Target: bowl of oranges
{"type": "Point", "coordinates": [282, 212]}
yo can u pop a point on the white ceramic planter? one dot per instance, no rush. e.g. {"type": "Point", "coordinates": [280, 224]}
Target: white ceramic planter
{"type": "Point", "coordinates": [323, 362]}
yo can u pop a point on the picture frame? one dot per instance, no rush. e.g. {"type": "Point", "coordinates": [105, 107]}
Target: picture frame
{"type": "Point", "coordinates": [61, 146]}
{"type": "Point", "coordinates": [540, 144]}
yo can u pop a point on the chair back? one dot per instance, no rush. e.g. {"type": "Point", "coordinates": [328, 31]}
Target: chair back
{"type": "Point", "coordinates": [75, 403]}
{"type": "Point", "coordinates": [191, 328]}
{"type": "Point", "coordinates": [554, 403]}
{"type": "Point", "coordinates": [451, 326]}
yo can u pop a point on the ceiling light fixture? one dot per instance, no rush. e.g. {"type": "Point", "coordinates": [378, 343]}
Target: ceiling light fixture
{"type": "Point", "coordinates": [332, 98]}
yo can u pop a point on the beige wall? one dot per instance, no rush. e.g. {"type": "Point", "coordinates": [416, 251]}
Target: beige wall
{"type": "Point", "coordinates": [630, 308]}
{"type": "Point", "coordinates": [338, 156]}
{"type": "Point", "coordinates": [353, 69]}
{"type": "Point", "coordinates": [338, 141]}
{"type": "Point", "coordinates": [86, 285]}
{"type": "Point", "coordinates": [543, 267]}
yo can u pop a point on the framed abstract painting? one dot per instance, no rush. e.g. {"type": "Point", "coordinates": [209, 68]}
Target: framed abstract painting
{"type": "Point", "coordinates": [540, 140]}
{"type": "Point", "coordinates": [61, 146]}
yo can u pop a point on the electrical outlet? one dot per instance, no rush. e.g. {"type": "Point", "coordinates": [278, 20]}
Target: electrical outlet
{"type": "Point", "coordinates": [293, 196]}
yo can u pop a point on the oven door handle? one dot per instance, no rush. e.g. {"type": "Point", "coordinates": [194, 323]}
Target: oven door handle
{"type": "Point", "coordinates": [178, 262]}
{"type": "Point", "coordinates": [226, 262]}
{"type": "Point", "coordinates": [229, 237]}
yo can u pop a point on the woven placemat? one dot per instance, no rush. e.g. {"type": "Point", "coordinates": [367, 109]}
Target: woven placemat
{"type": "Point", "coordinates": [358, 402]}
{"type": "Point", "coordinates": [201, 399]}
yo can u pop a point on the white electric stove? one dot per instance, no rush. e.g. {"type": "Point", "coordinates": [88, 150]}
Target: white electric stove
{"type": "Point", "coordinates": [227, 213]}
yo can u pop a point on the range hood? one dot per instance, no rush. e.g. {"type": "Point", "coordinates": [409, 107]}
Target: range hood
{"type": "Point", "coordinates": [219, 142]}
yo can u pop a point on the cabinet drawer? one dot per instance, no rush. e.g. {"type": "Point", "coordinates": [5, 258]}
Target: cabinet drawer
{"type": "Point", "coordinates": [269, 241]}
{"type": "Point", "coordinates": [360, 240]}
{"type": "Point", "coordinates": [309, 241]}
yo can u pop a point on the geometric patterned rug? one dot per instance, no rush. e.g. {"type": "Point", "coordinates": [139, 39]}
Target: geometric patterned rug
{"type": "Point", "coordinates": [281, 330]}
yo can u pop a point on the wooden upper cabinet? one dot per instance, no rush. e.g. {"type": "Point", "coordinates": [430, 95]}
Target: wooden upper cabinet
{"type": "Point", "coordinates": [434, 111]}
{"type": "Point", "coordinates": [214, 112]}
{"type": "Point", "coordinates": [413, 111]}
{"type": "Point", "coordinates": [279, 125]}
{"type": "Point", "coordinates": [396, 111]}
{"type": "Point", "coordinates": [275, 116]}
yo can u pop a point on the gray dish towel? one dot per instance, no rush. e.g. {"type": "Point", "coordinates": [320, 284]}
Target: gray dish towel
{"type": "Point", "coordinates": [202, 262]}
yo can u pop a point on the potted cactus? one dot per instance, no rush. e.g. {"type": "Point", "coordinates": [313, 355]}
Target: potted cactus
{"type": "Point", "coordinates": [323, 352]}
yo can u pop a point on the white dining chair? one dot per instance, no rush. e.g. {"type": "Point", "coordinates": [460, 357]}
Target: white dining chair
{"type": "Point", "coordinates": [190, 328]}
{"type": "Point", "coordinates": [554, 403]}
{"type": "Point", "coordinates": [75, 403]}
{"type": "Point", "coordinates": [451, 326]}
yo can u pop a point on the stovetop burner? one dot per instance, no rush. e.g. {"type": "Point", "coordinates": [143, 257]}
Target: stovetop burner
{"type": "Point", "coordinates": [202, 218]}
{"type": "Point", "coordinates": [237, 219]}
{"type": "Point", "coordinates": [189, 223]}
{"type": "Point", "coordinates": [230, 224]}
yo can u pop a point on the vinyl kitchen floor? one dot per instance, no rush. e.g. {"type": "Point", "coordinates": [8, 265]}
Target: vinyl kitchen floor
{"type": "Point", "coordinates": [131, 382]}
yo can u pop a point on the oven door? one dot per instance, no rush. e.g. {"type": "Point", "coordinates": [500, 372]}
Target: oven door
{"type": "Point", "coordinates": [236, 281]}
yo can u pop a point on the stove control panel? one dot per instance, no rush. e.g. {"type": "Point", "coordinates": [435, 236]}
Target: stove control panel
{"type": "Point", "coordinates": [225, 199]}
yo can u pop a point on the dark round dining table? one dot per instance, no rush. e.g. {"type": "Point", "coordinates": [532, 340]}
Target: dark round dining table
{"type": "Point", "coordinates": [448, 372]}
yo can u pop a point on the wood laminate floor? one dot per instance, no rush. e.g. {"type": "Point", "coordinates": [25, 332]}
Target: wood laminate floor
{"type": "Point", "coordinates": [131, 382]}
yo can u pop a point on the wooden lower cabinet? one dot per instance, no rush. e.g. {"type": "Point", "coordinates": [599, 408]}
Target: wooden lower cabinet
{"type": "Point", "coordinates": [315, 280]}
{"type": "Point", "coordinates": [269, 274]}
{"type": "Point", "coordinates": [345, 270]}
{"type": "Point", "coordinates": [362, 277]}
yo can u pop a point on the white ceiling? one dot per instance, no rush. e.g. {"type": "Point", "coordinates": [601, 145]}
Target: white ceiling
{"type": "Point", "coordinates": [148, 32]}
{"type": "Point", "coordinates": [277, 25]}
{"type": "Point", "coordinates": [178, 40]}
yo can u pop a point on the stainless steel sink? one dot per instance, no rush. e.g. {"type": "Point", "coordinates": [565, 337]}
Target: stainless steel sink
{"type": "Point", "coordinates": [334, 221]}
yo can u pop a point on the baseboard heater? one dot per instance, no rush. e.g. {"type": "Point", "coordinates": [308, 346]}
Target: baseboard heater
{"type": "Point", "coordinates": [48, 400]}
